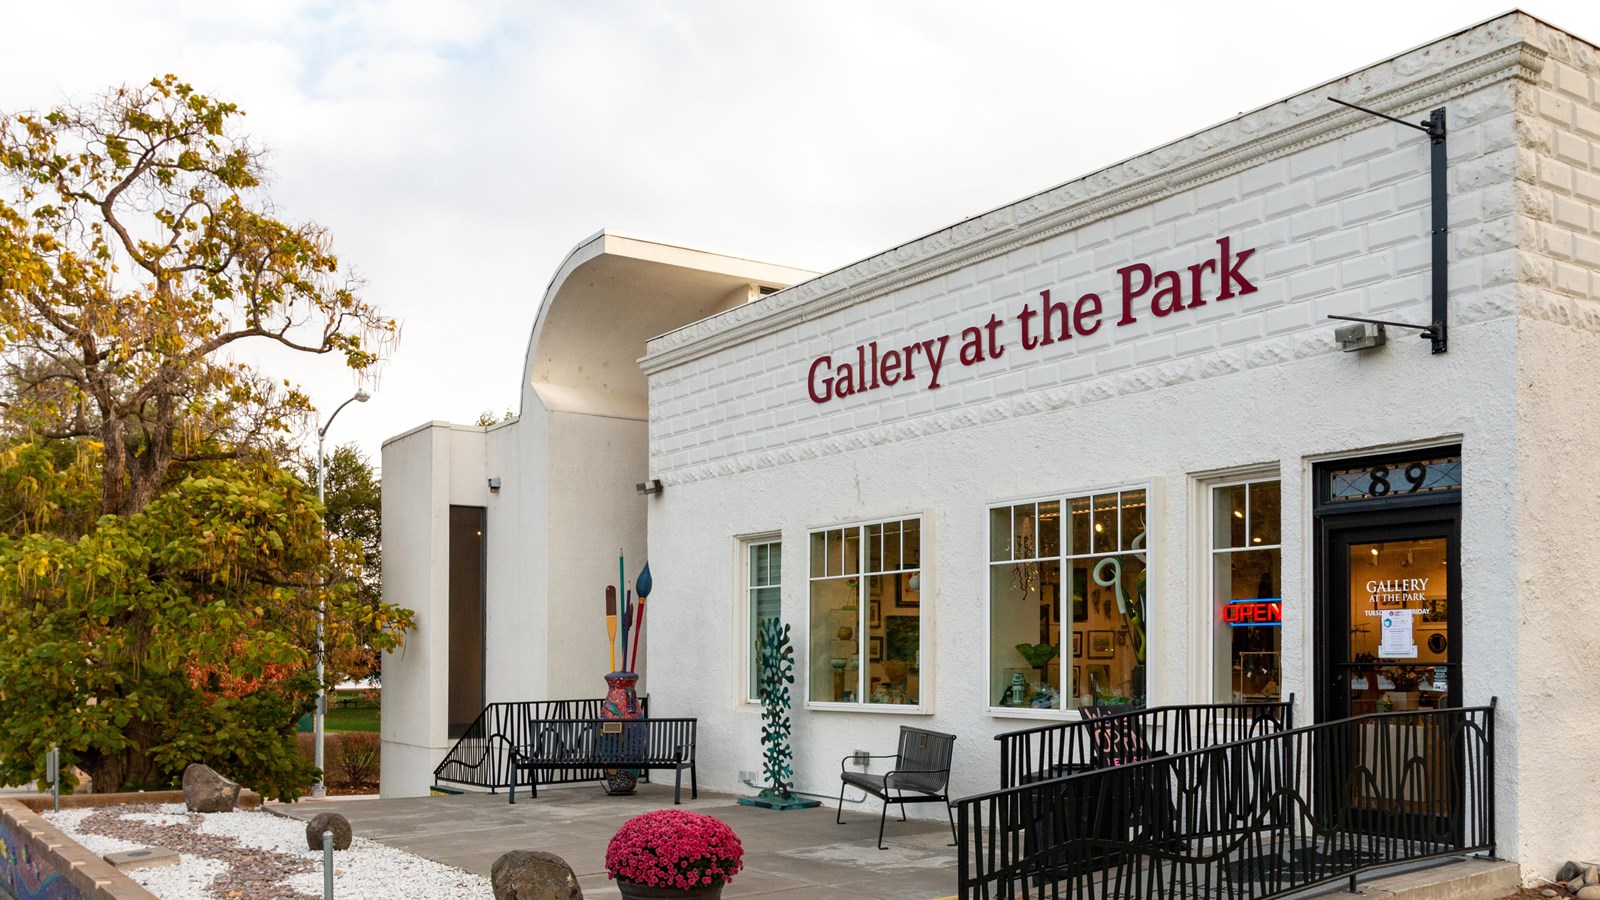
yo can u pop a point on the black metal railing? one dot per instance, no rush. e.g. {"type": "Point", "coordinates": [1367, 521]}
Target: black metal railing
{"type": "Point", "coordinates": [1254, 819]}
{"type": "Point", "coordinates": [482, 756]}
{"type": "Point", "coordinates": [1063, 748]}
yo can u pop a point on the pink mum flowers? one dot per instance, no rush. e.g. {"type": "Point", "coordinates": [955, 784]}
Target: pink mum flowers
{"type": "Point", "coordinates": [674, 848]}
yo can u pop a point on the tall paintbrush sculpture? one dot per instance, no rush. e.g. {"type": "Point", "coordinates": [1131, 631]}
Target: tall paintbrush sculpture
{"type": "Point", "coordinates": [611, 624]}
{"type": "Point", "coordinates": [643, 586]}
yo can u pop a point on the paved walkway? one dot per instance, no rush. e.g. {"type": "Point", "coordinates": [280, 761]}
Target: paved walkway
{"type": "Point", "coordinates": [800, 853]}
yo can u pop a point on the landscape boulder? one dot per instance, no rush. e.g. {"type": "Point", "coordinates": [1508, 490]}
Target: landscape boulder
{"type": "Point", "coordinates": [533, 875]}
{"type": "Point", "coordinates": [339, 825]}
{"type": "Point", "coordinates": [204, 791]}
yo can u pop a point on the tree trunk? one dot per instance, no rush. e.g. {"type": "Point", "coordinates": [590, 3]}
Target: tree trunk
{"type": "Point", "coordinates": [114, 471]}
{"type": "Point", "coordinates": [132, 765]}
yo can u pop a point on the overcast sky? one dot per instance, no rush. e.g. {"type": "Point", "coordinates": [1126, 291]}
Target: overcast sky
{"type": "Point", "coordinates": [458, 151]}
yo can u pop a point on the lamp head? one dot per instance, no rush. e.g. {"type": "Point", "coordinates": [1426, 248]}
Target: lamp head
{"type": "Point", "coordinates": [362, 396]}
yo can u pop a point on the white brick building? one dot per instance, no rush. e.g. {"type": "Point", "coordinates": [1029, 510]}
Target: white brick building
{"type": "Point", "coordinates": [1222, 453]}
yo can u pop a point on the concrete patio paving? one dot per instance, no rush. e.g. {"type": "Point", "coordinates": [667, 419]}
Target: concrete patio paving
{"type": "Point", "coordinates": [800, 853]}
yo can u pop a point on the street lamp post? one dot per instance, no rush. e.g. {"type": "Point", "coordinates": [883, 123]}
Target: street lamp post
{"type": "Point", "coordinates": [320, 789]}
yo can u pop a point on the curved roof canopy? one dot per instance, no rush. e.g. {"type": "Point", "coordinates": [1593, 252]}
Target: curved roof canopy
{"type": "Point", "coordinates": [611, 295]}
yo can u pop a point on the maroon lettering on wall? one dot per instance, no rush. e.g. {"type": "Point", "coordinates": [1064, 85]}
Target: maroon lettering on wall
{"type": "Point", "coordinates": [1141, 288]}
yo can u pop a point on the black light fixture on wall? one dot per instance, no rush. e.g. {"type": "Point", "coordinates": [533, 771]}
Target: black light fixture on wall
{"type": "Point", "coordinates": [651, 486]}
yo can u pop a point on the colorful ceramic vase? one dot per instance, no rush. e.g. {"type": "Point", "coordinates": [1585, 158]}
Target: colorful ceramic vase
{"type": "Point", "coordinates": [621, 704]}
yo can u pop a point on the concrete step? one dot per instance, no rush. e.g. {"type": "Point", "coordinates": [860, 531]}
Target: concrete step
{"type": "Point", "coordinates": [1465, 879]}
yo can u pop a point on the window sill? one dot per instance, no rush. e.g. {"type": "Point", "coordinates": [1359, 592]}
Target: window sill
{"type": "Point", "coordinates": [1048, 715]}
{"type": "Point", "coordinates": [875, 708]}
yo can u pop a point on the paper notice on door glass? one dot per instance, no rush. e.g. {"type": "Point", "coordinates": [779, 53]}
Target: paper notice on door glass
{"type": "Point", "coordinates": [1398, 641]}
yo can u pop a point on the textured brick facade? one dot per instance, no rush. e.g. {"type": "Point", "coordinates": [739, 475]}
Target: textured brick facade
{"type": "Point", "coordinates": [1335, 202]}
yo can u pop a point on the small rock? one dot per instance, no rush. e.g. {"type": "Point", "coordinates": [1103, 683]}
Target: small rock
{"type": "Point", "coordinates": [204, 791]}
{"type": "Point", "coordinates": [1575, 885]}
{"type": "Point", "coordinates": [1569, 871]}
{"type": "Point", "coordinates": [1591, 875]}
{"type": "Point", "coordinates": [1589, 892]}
{"type": "Point", "coordinates": [533, 875]}
{"type": "Point", "coordinates": [1548, 892]}
{"type": "Point", "coordinates": [339, 825]}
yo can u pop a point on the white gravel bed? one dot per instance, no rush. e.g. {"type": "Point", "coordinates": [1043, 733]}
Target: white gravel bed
{"type": "Point", "coordinates": [255, 854]}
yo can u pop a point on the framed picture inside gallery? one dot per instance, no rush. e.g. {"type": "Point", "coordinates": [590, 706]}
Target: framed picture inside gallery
{"type": "Point", "coordinates": [1101, 645]}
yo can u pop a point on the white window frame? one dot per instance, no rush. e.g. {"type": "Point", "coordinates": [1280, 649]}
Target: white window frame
{"type": "Point", "coordinates": [1151, 550]}
{"type": "Point", "coordinates": [924, 704]}
{"type": "Point", "coordinates": [1203, 573]}
{"type": "Point", "coordinates": [746, 622]}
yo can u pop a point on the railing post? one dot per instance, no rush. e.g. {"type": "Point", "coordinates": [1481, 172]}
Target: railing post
{"type": "Point", "coordinates": [52, 767]}
{"type": "Point", "coordinates": [1489, 754]}
{"type": "Point", "coordinates": [962, 849]}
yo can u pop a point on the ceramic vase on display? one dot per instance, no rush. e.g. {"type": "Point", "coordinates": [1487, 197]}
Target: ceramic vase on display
{"type": "Point", "coordinates": [620, 704]}
{"type": "Point", "coordinates": [631, 891]}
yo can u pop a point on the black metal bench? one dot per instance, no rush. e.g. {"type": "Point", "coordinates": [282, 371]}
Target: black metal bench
{"type": "Point", "coordinates": [567, 744]}
{"type": "Point", "coordinates": [921, 774]}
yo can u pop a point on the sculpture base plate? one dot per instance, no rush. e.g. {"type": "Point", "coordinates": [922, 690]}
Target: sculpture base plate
{"type": "Point", "coordinates": [779, 804]}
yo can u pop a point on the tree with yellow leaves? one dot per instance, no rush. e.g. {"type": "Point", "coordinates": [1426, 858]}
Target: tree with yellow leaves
{"type": "Point", "coordinates": [160, 568]}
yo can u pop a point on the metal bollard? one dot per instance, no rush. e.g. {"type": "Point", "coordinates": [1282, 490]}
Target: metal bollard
{"type": "Point", "coordinates": [52, 773]}
{"type": "Point", "coordinates": [327, 865]}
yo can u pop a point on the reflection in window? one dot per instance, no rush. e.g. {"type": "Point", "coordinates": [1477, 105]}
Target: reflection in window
{"type": "Point", "coordinates": [1247, 591]}
{"type": "Point", "coordinates": [1067, 604]}
{"type": "Point", "coordinates": [866, 614]}
{"type": "Point", "coordinates": [763, 600]}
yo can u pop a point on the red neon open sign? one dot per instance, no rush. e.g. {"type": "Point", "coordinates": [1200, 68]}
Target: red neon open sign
{"type": "Point", "coordinates": [1265, 611]}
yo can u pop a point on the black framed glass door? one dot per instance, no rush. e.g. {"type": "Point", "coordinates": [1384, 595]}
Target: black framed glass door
{"type": "Point", "coordinates": [1390, 616]}
{"type": "Point", "coordinates": [1387, 631]}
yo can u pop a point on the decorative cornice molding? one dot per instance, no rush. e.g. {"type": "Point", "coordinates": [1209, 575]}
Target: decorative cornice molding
{"type": "Point", "coordinates": [1494, 52]}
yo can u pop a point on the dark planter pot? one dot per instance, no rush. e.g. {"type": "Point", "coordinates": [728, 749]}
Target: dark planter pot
{"type": "Point", "coordinates": [649, 892]}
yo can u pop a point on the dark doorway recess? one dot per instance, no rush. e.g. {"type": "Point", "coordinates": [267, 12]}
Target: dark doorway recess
{"type": "Point", "coordinates": [467, 566]}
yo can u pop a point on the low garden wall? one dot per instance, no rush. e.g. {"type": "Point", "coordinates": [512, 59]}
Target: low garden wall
{"type": "Point", "coordinates": [38, 862]}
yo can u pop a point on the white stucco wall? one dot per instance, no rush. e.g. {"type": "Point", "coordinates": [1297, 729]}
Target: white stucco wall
{"type": "Point", "coordinates": [1558, 421]}
{"type": "Point", "coordinates": [568, 465]}
{"type": "Point", "coordinates": [416, 533]}
{"type": "Point", "coordinates": [1336, 206]}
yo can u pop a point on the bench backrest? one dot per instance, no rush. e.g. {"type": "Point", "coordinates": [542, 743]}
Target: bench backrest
{"type": "Point", "coordinates": [583, 739]}
{"type": "Point", "coordinates": [926, 756]}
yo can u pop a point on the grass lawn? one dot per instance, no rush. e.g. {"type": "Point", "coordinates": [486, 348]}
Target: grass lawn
{"type": "Point", "coordinates": [362, 716]}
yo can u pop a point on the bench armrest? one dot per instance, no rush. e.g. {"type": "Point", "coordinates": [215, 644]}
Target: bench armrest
{"type": "Point", "coordinates": [890, 775]}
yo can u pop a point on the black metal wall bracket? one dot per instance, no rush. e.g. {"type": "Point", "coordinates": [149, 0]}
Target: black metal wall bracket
{"type": "Point", "coordinates": [1436, 331]}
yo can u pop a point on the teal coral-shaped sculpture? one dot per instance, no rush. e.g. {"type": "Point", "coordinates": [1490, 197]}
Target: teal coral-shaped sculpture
{"type": "Point", "coordinates": [774, 674]}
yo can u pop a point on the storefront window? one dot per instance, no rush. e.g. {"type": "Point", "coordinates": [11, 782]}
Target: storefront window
{"type": "Point", "coordinates": [1247, 591]}
{"type": "Point", "coordinates": [763, 594]}
{"type": "Point", "coordinates": [1068, 615]}
{"type": "Point", "coordinates": [866, 614]}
